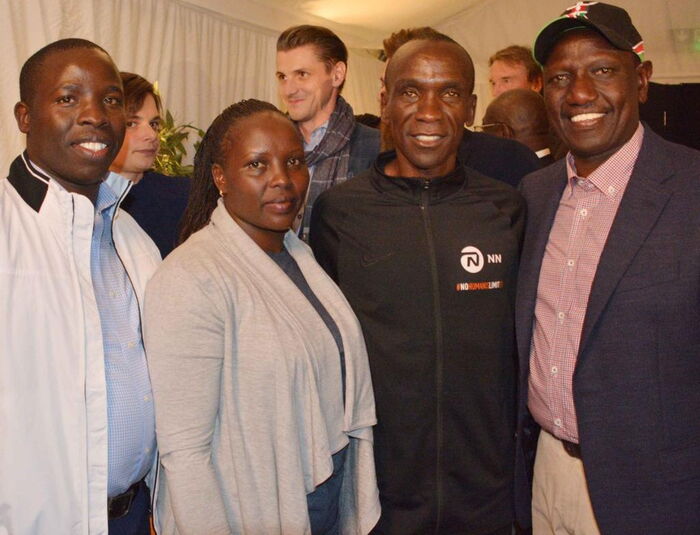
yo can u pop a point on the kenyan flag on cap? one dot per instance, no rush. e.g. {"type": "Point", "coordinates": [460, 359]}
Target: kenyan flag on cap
{"type": "Point", "coordinates": [612, 22]}
{"type": "Point", "coordinates": [578, 10]}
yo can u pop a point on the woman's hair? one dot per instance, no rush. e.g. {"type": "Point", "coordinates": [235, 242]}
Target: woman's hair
{"type": "Point", "coordinates": [136, 88]}
{"type": "Point", "coordinates": [213, 148]}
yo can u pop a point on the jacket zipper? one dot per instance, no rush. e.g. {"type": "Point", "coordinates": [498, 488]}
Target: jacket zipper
{"type": "Point", "coordinates": [425, 198]}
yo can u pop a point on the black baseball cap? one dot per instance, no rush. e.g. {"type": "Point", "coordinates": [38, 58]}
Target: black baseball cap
{"type": "Point", "coordinates": [610, 21]}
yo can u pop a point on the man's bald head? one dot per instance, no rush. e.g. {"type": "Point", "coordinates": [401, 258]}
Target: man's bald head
{"type": "Point", "coordinates": [521, 109]}
{"type": "Point", "coordinates": [523, 112]}
{"type": "Point", "coordinates": [435, 46]}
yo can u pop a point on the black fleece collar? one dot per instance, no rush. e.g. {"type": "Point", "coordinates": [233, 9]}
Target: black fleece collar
{"type": "Point", "coordinates": [409, 187]}
{"type": "Point", "coordinates": [31, 184]}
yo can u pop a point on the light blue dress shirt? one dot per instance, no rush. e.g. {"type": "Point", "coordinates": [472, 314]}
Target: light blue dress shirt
{"type": "Point", "coordinates": [316, 137]}
{"type": "Point", "coordinates": [130, 417]}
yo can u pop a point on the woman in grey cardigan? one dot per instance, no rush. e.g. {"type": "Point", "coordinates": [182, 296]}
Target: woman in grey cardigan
{"type": "Point", "coordinates": [263, 399]}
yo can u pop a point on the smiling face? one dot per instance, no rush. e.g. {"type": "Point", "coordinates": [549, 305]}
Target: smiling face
{"type": "Point", "coordinates": [505, 75]}
{"type": "Point", "coordinates": [263, 177]}
{"type": "Point", "coordinates": [141, 141]}
{"type": "Point", "coordinates": [75, 119]}
{"type": "Point", "coordinates": [592, 93]}
{"type": "Point", "coordinates": [308, 86]}
{"type": "Point", "coordinates": [429, 101]}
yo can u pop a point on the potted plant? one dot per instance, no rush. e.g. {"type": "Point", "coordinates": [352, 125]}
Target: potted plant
{"type": "Point", "coordinates": [172, 147]}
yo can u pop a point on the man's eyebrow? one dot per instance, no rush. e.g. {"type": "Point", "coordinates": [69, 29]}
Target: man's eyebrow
{"type": "Point", "coordinates": [69, 86]}
{"type": "Point", "coordinates": [294, 71]}
{"type": "Point", "coordinates": [407, 81]}
{"type": "Point", "coordinates": [420, 81]}
{"type": "Point", "coordinates": [137, 115]}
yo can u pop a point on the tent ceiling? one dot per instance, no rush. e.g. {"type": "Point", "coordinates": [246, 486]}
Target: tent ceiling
{"type": "Point", "coordinates": [382, 16]}
{"type": "Point", "coordinates": [360, 23]}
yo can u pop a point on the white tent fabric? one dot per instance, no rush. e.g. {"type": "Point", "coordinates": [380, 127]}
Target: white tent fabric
{"type": "Point", "coordinates": [491, 25]}
{"type": "Point", "coordinates": [203, 61]}
{"type": "Point", "coordinates": [207, 54]}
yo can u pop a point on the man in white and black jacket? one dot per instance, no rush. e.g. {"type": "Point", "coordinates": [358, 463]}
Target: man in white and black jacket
{"type": "Point", "coordinates": [77, 429]}
{"type": "Point", "coordinates": [426, 251]}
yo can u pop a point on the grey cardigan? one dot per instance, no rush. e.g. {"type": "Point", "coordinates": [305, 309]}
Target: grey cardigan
{"type": "Point", "coordinates": [239, 360]}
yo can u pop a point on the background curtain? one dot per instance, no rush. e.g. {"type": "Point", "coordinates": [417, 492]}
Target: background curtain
{"type": "Point", "coordinates": [490, 25]}
{"type": "Point", "coordinates": [203, 61]}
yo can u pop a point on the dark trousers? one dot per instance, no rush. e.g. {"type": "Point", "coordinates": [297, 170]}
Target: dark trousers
{"type": "Point", "coordinates": [137, 520]}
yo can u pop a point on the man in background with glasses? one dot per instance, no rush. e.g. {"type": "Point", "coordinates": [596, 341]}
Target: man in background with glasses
{"type": "Point", "coordinates": [520, 114]}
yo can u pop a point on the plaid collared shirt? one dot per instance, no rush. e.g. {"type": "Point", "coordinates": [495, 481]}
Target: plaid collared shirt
{"type": "Point", "coordinates": [586, 212]}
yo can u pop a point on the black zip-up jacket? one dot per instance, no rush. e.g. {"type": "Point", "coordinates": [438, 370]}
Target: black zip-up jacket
{"type": "Point", "coordinates": [429, 267]}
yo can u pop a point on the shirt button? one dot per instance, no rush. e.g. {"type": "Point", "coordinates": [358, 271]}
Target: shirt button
{"type": "Point", "coordinates": [583, 212]}
{"type": "Point", "coordinates": [146, 398]}
{"type": "Point", "coordinates": [148, 450]}
{"type": "Point", "coordinates": [131, 344]}
{"type": "Point", "coordinates": [557, 422]}
{"type": "Point", "coordinates": [561, 316]}
{"type": "Point", "coordinates": [555, 370]}
{"type": "Point", "coordinates": [112, 294]}
{"type": "Point", "coordinates": [570, 263]}
{"type": "Point", "coordinates": [611, 190]}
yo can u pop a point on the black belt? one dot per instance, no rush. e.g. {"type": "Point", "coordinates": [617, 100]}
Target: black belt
{"type": "Point", "coordinates": [119, 506]}
{"type": "Point", "coordinates": [573, 449]}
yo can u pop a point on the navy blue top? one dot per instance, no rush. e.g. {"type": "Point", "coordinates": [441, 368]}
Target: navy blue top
{"type": "Point", "coordinates": [157, 203]}
{"type": "Point", "coordinates": [285, 261]}
{"type": "Point", "coordinates": [496, 157]}
{"type": "Point", "coordinates": [324, 502]}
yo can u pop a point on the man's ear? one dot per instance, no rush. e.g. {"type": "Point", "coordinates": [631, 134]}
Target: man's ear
{"type": "Point", "coordinates": [644, 72]}
{"type": "Point", "coordinates": [382, 99]}
{"type": "Point", "coordinates": [536, 84]}
{"type": "Point", "coordinates": [383, 113]}
{"type": "Point", "coordinates": [338, 72]}
{"type": "Point", "coordinates": [471, 110]}
{"type": "Point", "coordinates": [22, 117]}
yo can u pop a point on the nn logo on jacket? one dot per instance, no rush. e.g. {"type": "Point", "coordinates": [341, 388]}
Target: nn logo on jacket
{"type": "Point", "coordinates": [473, 259]}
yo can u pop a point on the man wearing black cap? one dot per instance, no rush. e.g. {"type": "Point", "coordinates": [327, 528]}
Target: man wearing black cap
{"type": "Point", "coordinates": [608, 304]}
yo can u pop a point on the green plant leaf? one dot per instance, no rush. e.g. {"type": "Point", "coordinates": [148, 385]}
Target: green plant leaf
{"type": "Point", "coordinates": [172, 147]}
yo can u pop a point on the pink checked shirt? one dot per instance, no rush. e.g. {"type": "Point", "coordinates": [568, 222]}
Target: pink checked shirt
{"type": "Point", "coordinates": [581, 226]}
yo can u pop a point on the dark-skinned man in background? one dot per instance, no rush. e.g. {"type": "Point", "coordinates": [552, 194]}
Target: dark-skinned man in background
{"type": "Point", "coordinates": [520, 114]}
